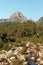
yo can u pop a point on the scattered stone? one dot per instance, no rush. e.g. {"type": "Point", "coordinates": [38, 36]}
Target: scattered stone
{"type": "Point", "coordinates": [32, 54]}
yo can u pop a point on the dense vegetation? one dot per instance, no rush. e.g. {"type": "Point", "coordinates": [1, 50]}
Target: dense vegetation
{"type": "Point", "coordinates": [16, 32]}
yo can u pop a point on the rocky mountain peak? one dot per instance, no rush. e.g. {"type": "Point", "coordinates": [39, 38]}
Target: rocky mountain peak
{"type": "Point", "coordinates": [17, 16]}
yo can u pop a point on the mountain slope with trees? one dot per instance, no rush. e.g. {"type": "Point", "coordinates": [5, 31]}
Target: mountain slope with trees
{"type": "Point", "coordinates": [21, 30]}
{"type": "Point", "coordinates": [16, 32]}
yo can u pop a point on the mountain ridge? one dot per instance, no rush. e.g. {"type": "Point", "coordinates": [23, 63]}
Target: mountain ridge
{"type": "Point", "coordinates": [40, 21]}
{"type": "Point", "coordinates": [19, 17]}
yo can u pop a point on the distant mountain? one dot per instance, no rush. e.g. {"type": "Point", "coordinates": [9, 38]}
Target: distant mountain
{"type": "Point", "coordinates": [17, 17]}
{"type": "Point", "coordinates": [40, 22]}
{"type": "Point", "coordinates": [4, 20]}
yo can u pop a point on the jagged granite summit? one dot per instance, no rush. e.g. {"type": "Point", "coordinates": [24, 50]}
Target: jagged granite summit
{"type": "Point", "coordinates": [17, 17]}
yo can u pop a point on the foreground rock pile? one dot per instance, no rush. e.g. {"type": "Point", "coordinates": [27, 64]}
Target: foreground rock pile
{"type": "Point", "coordinates": [30, 54]}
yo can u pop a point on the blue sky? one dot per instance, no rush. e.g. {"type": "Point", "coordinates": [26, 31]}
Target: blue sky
{"type": "Point", "coordinates": [32, 9]}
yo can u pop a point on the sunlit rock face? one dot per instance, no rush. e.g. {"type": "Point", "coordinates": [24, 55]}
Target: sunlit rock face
{"type": "Point", "coordinates": [17, 17]}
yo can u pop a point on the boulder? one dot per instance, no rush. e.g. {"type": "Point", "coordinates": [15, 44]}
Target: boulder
{"type": "Point", "coordinates": [24, 63]}
{"type": "Point", "coordinates": [12, 58]}
{"type": "Point", "coordinates": [21, 57]}
{"type": "Point", "coordinates": [32, 59]}
{"type": "Point", "coordinates": [9, 53]}
{"type": "Point", "coordinates": [16, 52]}
{"type": "Point", "coordinates": [27, 44]}
{"type": "Point", "coordinates": [41, 62]}
{"type": "Point", "coordinates": [38, 60]}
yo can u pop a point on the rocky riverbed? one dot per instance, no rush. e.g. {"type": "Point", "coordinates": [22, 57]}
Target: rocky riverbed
{"type": "Point", "coordinates": [30, 54]}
